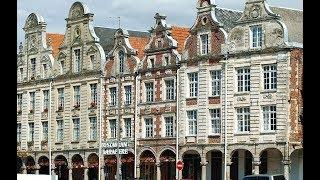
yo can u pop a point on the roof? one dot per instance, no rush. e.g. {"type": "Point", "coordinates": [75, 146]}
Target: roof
{"type": "Point", "coordinates": [227, 17]}
{"type": "Point", "coordinates": [56, 41]}
{"type": "Point", "coordinates": [180, 34]}
{"type": "Point", "coordinates": [138, 43]}
{"type": "Point", "coordinates": [293, 20]}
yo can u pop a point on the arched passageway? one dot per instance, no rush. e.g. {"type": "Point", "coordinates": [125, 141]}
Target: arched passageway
{"type": "Point", "coordinates": [19, 165]}
{"type": "Point", "coordinates": [30, 165]}
{"type": "Point", "coordinates": [77, 167]}
{"type": "Point", "coordinates": [44, 165]}
{"type": "Point", "coordinates": [148, 170]}
{"type": "Point", "coordinates": [127, 165]}
{"type": "Point", "coordinates": [271, 161]}
{"type": "Point", "coordinates": [214, 166]}
{"type": "Point", "coordinates": [110, 166]}
{"type": "Point", "coordinates": [192, 167]}
{"type": "Point", "coordinates": [61, 167]}
{"type": "Point", "coordinates": [241, 164]}
{"type": "Point", "coordinates": [296, 159]}
{"type": "Point", "coordinates": [93, 165]}
{"type": "Point", "coordinates": [168, 165]}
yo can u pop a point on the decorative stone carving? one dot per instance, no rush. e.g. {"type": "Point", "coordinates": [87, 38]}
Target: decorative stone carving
{"type": "Point", "coordinates": [148, 74]}
{"type": "Point", "coordinates": [148, 110]}
{"type": "Point", "coordinates": [255, 11]}
{"type": "Point", "coordinates": [241, 99]}
{"type": "Point", "coordinates": [268, 96]}
{"type": "Point", "coordinates": [167, 108]}
{"type": "Point", "coordinates": [32, 21]}
{"type": "Point", "coordinates": [76, 12]}
{"type": "Point", "coordinates": [168, 71]}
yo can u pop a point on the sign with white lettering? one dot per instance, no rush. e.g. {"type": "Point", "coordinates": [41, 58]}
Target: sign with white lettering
{"type": "Point", "coordinates": [111, 147]}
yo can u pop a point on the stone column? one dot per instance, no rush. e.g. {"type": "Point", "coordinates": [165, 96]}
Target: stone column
{"type": "Point", "coordinates": [180, 174]}
{"type": "Point", "coordinates": [286, 168]}
{"type": "Point", "coordinates": [158, 171]}
{"type": "Point", "coordinates": [138, 171]}
{"type": "Point", "coordinates": [102, 173]}
{"type": "Point", "coordinates": [37, 169]}
{"type": "Point", "coordinates": [24, 169]}
{"type": "Point", "coordinates": [255, 165]}
{"type": "Point", "coordinates": [86, 173]}
{"type": "Point", "coordinates": [52, 170]}
{"type": "Point", "coordinates": [204, 170]}
{"type": "Point", "coordinates": [70, 173]}
{"type": "Point", "coordinates": [228, 170]}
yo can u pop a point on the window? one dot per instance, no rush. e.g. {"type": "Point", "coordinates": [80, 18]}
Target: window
{"type": "Point", "coordinates": [31, 132]}
{"type": "Point", "coordinates": [270, 77]}
{"type": "Point", "coordinates": [167, 60]}
{"type": "Point", "coordinates": [113, 130]}
{"type": "Point", "coordinates": [93, 88]}
{"type": "Point", "coordinates": [32, 101]}
{"type": "Point", "coordinates": [60, 98]}
{"type": "Point", "coordinates": [93, 128]}
{"type": "Point", "coordinates": [19, 102]}
{"type": "Point", "coordinates": [216, 82]}
{"type": "Point", "coordinates": [170, 90]}
{"type": "Point", "coordinates": [243, 117]}
{"type": "Point", "coordinates": [193, 84]}
{"type": "Point", "coordinates": [149, 127]}
{"type": "Point", "coordinates": [45, 100]}
{"type": "Point", "coordinates": [169, 126]}
{"type": "Point", "coordinates": [76, 129]}
{"type": "Point", "coordinates": [45, 71]}
{"type": "Point", "coordinates": [33, 68]}
{"type": "Point", "coordinates": [113, 96]}
{"type": "Point", "coordinates": [215, 121]}
{"type": "Point", "coordinates": [256, 36]}
{"type": "Point", "coordinates": [243, 79]}
{"type": "Point", "coordinates": [127, 124]}
{"type": "Point", "coordinates": [61, 67]}
{"type": "Point", "coordinates": [204, 44]}
{"type": "Point", "coordinates": [44, 130]}
{"type": "Point", "coordinates": [127, 90]}
{"type": "Point", "coordinates": [76, 92]}
{"type": "Point", "coordinates": [151, 63]}
{"type": "Point", "coordinates": [159, 44]}
{"type": "Point", "coordinates": [59, 130]}
{"type": "Point", "coordinates": [77, 64]}
{"type": "Point", "coordinates": [269, 118]}
{"type": "Point", "coordinates": [19, 132]}
{"type": "Point", "coordinates": [92, 61]}
{"type": "Point", "coordinates": [149, 91]}
{"type": "Point", "coordinates": [21, 74]}
{"type": "Point", "coordinates": [121, 61]}
{"type": "Point", "coordinates": [192, 118]}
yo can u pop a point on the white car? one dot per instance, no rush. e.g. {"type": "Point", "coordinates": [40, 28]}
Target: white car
{"type": "Point", "coordinates": [265, 177]}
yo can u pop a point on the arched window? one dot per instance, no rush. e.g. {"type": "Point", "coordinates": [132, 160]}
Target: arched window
{"type": "Point", "coordinates": [121, 59]}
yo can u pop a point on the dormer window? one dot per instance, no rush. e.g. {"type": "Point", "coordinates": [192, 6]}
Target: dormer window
{"type": "Point", "coordinates": [92, 61]}
{"type": "Point", "coordinates": [204, 44]}
{"type": "Point", "coordinates": [159, 43]}
{"type": "Point", "coordinates": [166, 60]}
{"type": "Point", "coordinates": [151, 63]}
{"type": "Point", "coordinates": [61, 67]}
{"type": "Point", "coordinates": [121, 61]}
{"type": "Point", "coordinates": [45, 70]}
{"type": "Point", "coordinates": [33, 67]}
{"type": "Point", "coordinates": [77, 65]}
{"type": "Point", "coordinates": [256, 36]}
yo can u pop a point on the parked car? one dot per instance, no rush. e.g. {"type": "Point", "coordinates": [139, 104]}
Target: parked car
{"type": "Point", "coordinates": [265, 177]}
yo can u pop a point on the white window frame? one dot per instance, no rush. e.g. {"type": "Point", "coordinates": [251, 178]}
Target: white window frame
{"type": "Point", "coordinates": [45, 70]}
{"type": "Point", "coordinates": [170, 90]}
{"type": "Point", "coordinates": [149, 86]}
{"type": "Point", "coordinates": [77, 96]}
{"type": "Point", "coordinates": [193, 84]}
{"type": "Point", "coordinates": [113, 96]}
{"type": "Point", "coordinates": [169, 127]}
{"type": "Point", "coordinates": [19, 101]}
{"type": "Point", "coordinates": [45, 99]}
{"type": "Point", "coordinates": [256, 37]}
{"type": "Point", "coordinates": [192, 116]}
{"type": "Point", "coordinates": [60, 130]}
{"type": "Point", "coordinates": [77, 60]}
{"type": "Point", "coordinates": [45, 130]}
{"type": "Point", "coordinates": [93, 128]}
{"type": "Point", "coordinates": [121, 56]}
{"type": "Point", "coordinates": [21, 74]}
{"type": "Point", "coordinates": [269, 77]}
{"type": "Point", "coordinates": [148, 127]}
{"type": "Point", "coordinates": [76, 129]}
{"type": "Point", "coordinates": [31, 131]}
{"type": "Point", "coordinates": [113, 128]}
{"type": "Point", "coordinates": [128, 94]}
{"type": "Point", "coordinates": [243, 119]}
{"type": "Point", "coordinates": [215, 82]}
{"type": "Point", "coordinates": [32, 100]}
{"type": "Point", "coordinates": [127, 126]}
{"type": "Point", "coordinates": [93, 61]}
{"type": "Point", "coordinates": [215, 115]}
{"type": "Point", "coordinates": [33, 67]}
{"type": "Point", "coordinates": [243, 79]}
{"type": "Point", "coordinates": [204, 44]}
{"type": "Point", "coordinates": [61, 97]}
{"type": "Point", "coordinates": [62, 67]}
{"type": "Point", "coordinates": [269, 117]}
{"type": "Point", "coordinates": [93, 90]}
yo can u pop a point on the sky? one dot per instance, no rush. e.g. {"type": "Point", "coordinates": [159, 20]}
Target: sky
{"type": "Point", "coordinates": [134, 14]}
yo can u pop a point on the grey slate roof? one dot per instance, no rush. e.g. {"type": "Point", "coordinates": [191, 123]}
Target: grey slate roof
{"type": "Point", "coordinates": [106, 36]}
{"type": "Point", "coordinates": [227, 17]}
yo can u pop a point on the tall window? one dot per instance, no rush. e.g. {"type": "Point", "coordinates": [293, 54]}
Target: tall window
{"type": "Point", "coordinates": [33, 67]}
{"type": "Point", "coordinates": [170, 90]}
{"type": "Point", "coordinates": [59, 130]}
{"type": "Point", "coordinates": [77, 65]}
{"type": "Point", "coordinates": [113, 128]}
{"type": "Point", "coordinates": [44, 130]}
{"type": "Point", "coordinates": [216, 82]}
{"type": "Point", "coordinates": [151, 63]}
{"type": "Point", "coordinates": [127, 124]}
{"type": "Point", "coordinates": [92, 61]}
{"type": "Point", "coordinates": [31, 132]}
{"type": "Point", "coordinates": [169, 126]}
{"type": "Point", "coordinates": [149, 127]}
{"type": "Point", "coordinates": [269, 118]}
{"type": "Point", "coordinates": [243, 117]}
{"type": "Point", "coordinates": [32, 101]}
{"type": "Point", "coordinates": [270, 77]}
{"type": "Point", "coordinates": [61, 67]}
{"type": "Point", "coordinates": [19, 102]}
{"type": "Point", "coordinates": [215, 121]}
{"type": "Point", "coordinates": [149, 91]}
{"type": "Point", "coordinates": [243, 79]}
{"type": "Point", "coordinates": [127, 90]}
{"type": "Point", "coordinates": [192, 118]}
{"type": "Point", "coordinates": [60, 98]}
{"type": "Point", "coordinates": [76, 92]}
{"type": "Point", "coordinates": [121, 61]}
{"type": "Point", "coordinates": [204, 44]}
{"type": "Point", "coordinates": [93, 88]}
{"type": "Point", "coordinates": [45, 99]}
{"type": "Point", "coordinates": [19, 132]}
{"type": "Point", "coordinates": [193, 84]}
{"type": "Point", "coordinates": [76, 129]}
{"type": "Point", "coordinates": [167, 60]}
{"type": "Point", "coordinates": [113, 96]}
{"type": "Point", "coordinates": [45, 70]}
{"type": "Point", "coordinates": [256, 36]}
{"type": "Point", "coordinates": [93, 128]}
{"type": "Point", "coordinates": [21, 74]}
